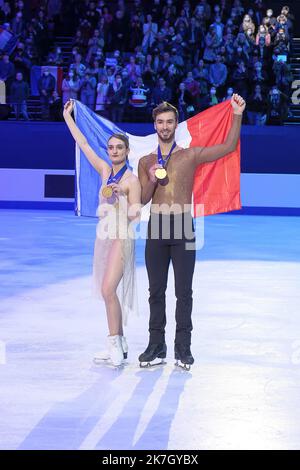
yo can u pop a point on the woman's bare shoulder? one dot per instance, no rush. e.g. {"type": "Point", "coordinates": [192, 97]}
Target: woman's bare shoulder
{"type": "Point", "coordinates": [133, 179]}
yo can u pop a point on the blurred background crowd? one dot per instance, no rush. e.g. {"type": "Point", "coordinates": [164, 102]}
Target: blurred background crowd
{"type": "Point", "coordinates": [122, 58]}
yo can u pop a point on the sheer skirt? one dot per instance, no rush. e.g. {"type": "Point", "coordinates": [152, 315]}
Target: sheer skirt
{"type": "Point", "coordinates": [114, 228]}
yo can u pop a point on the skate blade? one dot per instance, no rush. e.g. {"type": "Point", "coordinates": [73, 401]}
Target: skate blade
{"type": "Point", "coordinates": [97, 361]}
{"type": "Point", "coordinates": [109, 364]}
{"type": "Point", "coordinates": [182, 366]}
{"type": "Point", "coordinates": [149, 365]}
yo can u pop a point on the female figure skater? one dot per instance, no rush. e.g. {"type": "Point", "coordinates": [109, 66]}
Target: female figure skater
{"type": "Point", "coordinates": [114, 254]}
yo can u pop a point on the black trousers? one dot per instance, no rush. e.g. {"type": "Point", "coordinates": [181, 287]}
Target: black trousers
{"type": "Point", "coordinates": [162, 246]}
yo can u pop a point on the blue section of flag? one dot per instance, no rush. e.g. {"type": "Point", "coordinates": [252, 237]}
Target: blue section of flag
{"type": "Point", "coordinates": [96, 130]}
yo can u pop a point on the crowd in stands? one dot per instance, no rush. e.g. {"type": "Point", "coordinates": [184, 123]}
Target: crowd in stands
{"type": "Point", "coordinates": [128, 56]}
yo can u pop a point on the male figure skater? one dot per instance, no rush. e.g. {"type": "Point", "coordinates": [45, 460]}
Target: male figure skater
{"type": "Point", "coordinates": [166, 178]}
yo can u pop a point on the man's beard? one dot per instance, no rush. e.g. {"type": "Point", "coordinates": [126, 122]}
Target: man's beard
{"type": "Point", "coordinates": [167, 139]}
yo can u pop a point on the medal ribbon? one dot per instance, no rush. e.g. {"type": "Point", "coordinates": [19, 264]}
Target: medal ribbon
{"type": "Point", "coordinates": [116, 178]}
{"type": "Point", "coordinates": [160, 158]}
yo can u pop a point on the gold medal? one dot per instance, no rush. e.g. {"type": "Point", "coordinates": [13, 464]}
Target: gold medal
{"type": "Point", "coordinates": [160, 173]}
{"type": "Point", "coordinates": [107, 192]}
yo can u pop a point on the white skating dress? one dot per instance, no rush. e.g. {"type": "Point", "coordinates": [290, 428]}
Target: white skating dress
{"type": "Point", "coordinates": [113, 228]}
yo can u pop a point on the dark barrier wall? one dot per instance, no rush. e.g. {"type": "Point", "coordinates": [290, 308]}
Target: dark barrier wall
{"type": "Point", "coordinates": [50, 146]}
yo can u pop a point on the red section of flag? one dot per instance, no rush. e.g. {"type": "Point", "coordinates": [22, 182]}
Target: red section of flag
{"type": "Point", "coordinates": [217, 184]}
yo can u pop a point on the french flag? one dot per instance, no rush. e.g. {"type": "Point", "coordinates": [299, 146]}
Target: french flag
{"type": "Point", "coordinates": [216, 185]}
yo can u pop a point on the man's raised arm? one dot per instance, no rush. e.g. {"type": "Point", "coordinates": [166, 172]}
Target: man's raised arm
{"type": "Point", "coordinates": [210, 154]}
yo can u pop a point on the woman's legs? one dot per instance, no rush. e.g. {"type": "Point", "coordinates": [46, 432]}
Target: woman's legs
{"type": "Point", "coordinates": [112, 277]}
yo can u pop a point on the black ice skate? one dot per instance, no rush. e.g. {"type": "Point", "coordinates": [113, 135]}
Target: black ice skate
{"type": "Point", "coordinates": [183, 356]}
{"type": "Point", "coordinates": [154, 355]}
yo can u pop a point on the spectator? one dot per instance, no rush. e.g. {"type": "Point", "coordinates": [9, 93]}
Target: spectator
{"type": "Point", "coordinates": [248, 24]}
{"type": "Point", "coordinates": [78, 42]}
{"type": "Point", "coordinates": [55, 107]}
{"type": "Point", "coordinates": [218, 73]}
{"type": "Point", "coordinates": [283, 76]}
{"type": "Point", "coordinates": [241, 42]}
{"type": "Point", "coordinates": [259, 76]}
{"type": "Point", "coordinates": [212, 43]}
{"type": "Point", "coordinates": [203, 8]}
{"type": "Point", "coordinates": [184, 102]}
{"type": "Point", "coordinates": [193, 87]}
{"type": "Point", "coordinates": [164, 65]}
{"type": "Point", "coordinates": [201, 75]}
{"type": "Point", "coordinates": [282, 24]}
{"type": "Point", "coordinates": [139, 100]}
{"type": "Point", "coordinates": [102, 96]}
{"type": "Point", "coordinates": [5, 12]}
{"type": "Point", "coordinates": [240, 79]}
{"type": "Point", "coordinates": [270, 22]}
{"type": "Point", "coordinates": [21, 61]}
{"type": "Point", "coordinates": [275, 107]}
{"type": "Point", "coordinates": [258, 12]}
{"type": "Point", "coordinates": [86, 30]}
{"type": "Point", "coordinates": [92, 15]}
{"type": "Point", "coordinates": [119, 28]}
{"type": "Point", "coordinates": [55, 57]}
{"type": "Point", "coordinates": [169, 10]}
{"type": "Point", "coordinates": [263, 51]}
{"type": "Point", "coordinates": [108, 17]}
{"type": "Point", "coordinates": [289, 19]}
{"type": "Point", "coordinates": [117, 97]}
{"type": "Point", "coordinates": [182, 20]}
{"type": "Point", "coordinates": [18, 24]}
{"type": "Point", "coordinates": [46, 86]}
{"type": "Point", "coordinates": [95, 42]}
{"type": "Point", "coordinates": [257, 107]}
{"type": "Point", "coordinates": [174, 78]}
{"type": "Point", "coordinates": [213, 96]}
{"type": "Point", "coordinates": [88, 86]}
{"type": "Point", "coordinates": [263, 32]}
{"type": "Point", "coordinates": [7, 69]}
{"type": "Point", "coordinates": [149, 32]}
{"type": "Point", "coordinates": [229, 94]}
{"type": "Point", "coordinates": [96, 69]}
{"type": "Point", "coordinates": [70, 87]}
{"type": "Point", "coordinates": [136, 34]}
{"type": "Point", "coordinates": [177, 59]}
{"type": "Point", "coordinates": [110, 72]}
{"type": "Point", "coordinates": [195, 40]}
{"type": "Point", "coordinates": [161, 93]}
{"type": "Point", "coordinates": [160, 43]}
{"type": "Point", "coordinates": [240, 56]}
{"type": "Point", "coordinates": [19, 95]}
{"type": "Point", "coordinates": [281, 41]}
{"type": "Point", "coordinates": [133, 69]}
{"type": "Point", "coordinates": [78, 67]}
{"type": "Point", "coordinates": [148, 65]}
{"type": "Point", "coordinates": [218, 27]}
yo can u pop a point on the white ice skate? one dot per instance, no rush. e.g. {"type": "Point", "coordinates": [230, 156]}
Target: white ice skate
{"type": "Point", "coordinates": [104, 356]}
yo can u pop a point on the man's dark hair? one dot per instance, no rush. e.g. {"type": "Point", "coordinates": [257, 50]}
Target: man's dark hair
{"type": "Point", "coordinates": [164, 107]}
